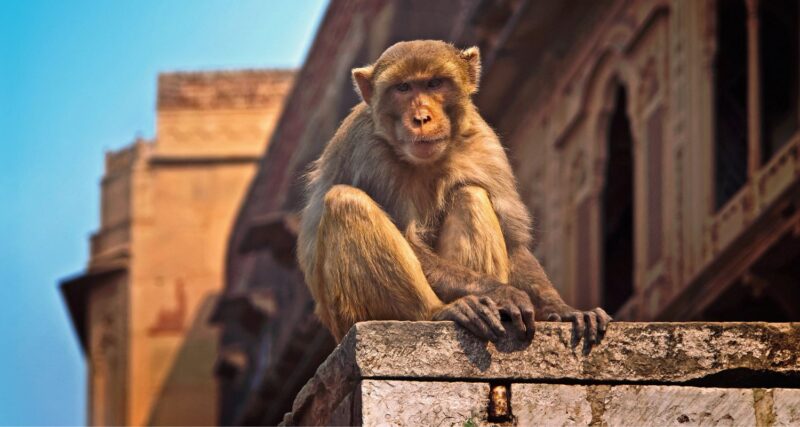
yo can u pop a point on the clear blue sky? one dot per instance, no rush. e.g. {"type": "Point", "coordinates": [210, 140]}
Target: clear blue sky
{"type": "Point", "coordinates": [78, 78]}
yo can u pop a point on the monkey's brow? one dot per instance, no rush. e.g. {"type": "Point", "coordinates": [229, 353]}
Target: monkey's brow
{"type": "Point", "coordinates": [423, 79]}
{"type": "Point", "coordinates": [421, 73]}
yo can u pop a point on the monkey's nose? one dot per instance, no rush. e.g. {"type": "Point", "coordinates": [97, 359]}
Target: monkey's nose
{"type": "Point", "coordinates": [421, 117]}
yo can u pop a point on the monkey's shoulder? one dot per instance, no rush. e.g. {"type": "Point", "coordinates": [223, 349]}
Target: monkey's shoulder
{"type": "Point", "coordinates": [355, 129]}
{"type": "Point", "coordinates": [356, 124]}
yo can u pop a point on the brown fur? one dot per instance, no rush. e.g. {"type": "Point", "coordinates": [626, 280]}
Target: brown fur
{"type": "Point", "coordinates": [413, 211]}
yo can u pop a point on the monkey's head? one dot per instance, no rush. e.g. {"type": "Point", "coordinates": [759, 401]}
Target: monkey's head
{"type": "Point", "coordinates": [419, 92]}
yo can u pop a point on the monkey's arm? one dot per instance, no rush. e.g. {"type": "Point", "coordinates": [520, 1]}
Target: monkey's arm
{"type": "Point", "coordinates": [528, 275]}
{"type": "Point", "coordinates": [525, 271]}
{"type": "Point", "coordinates": [452, 283]}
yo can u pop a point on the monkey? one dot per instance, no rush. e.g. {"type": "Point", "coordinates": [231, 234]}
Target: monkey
{"type": "Point", "coordinates": [413, 212]}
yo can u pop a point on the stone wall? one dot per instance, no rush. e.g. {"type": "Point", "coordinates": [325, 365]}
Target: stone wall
{"type": "Point", "coordinates": [433, 373]}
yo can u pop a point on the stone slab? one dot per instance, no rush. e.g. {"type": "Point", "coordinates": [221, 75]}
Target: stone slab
{"type": "Point", "coordinates": [663, 352]}
{"type": "Point", "coordinates": [418, 403]}
{"type": "Point", "coordinates": [558, 404]}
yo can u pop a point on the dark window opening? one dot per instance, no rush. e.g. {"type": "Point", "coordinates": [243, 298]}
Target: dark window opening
{"type": "Point", "coordinates": [618, 209]}
{"type": "Point", "coordinates": [778, 50]}
{"type": "Point", "coordinates": [730, 101]}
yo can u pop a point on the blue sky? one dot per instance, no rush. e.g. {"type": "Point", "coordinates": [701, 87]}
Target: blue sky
{"type": "Point", "coordinates": [78, 78]}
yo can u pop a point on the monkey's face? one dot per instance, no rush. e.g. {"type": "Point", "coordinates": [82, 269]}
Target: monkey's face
{"type": "Point", "coordinates": [419, 92]}
{"type": "Point", "coordinates": [414, 115]}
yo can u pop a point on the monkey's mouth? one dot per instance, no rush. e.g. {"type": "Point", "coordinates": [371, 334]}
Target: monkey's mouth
{"type": "Point", "coordinates": [426, 148]}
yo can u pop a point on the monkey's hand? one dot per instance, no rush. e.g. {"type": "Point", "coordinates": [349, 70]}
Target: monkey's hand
{"type": "Point", "coordinates": [514, 305]}
{"type": "Point", "coordinates": [590, 324]}
{"type": "Point", "coordinates": [478, 315]}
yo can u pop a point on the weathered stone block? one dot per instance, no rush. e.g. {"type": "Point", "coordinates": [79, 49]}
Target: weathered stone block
{"type": "Point", "coordinates": [786, 404]}
{"type": "Point", "coordinates": [671, 405]}
{"type": "Point", "coordinates": [550, 404]}
{"type": "Point", "coordinates": [433, 373]}
{"type": "Point", "coordinates": [557, 404]}
{"type": "Point", "coordinates": [420, 403]}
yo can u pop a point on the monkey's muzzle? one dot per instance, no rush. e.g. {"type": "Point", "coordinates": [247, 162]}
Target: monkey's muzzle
{"type": "Point", "coordinates": [425, 149]}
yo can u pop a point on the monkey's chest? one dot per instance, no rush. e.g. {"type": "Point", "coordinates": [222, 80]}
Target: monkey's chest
{"type": "Point", "coordinates": [418, 201]}
{"type": "Point", "coordinates": [426, 218]}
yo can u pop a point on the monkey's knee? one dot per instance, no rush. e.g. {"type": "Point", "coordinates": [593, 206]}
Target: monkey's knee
{"type": "Point", "coordinates": [365, 269]}
{"type": "Point", "coordinates": [471, 197]}
{"type": "Point", "coordinates": [471, 214]}
{"type": "Point", "coordinates": [344, 200]}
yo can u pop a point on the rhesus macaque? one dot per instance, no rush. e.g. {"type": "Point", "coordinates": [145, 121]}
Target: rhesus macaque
{"type": "Point", "coordinates": [413, 211]}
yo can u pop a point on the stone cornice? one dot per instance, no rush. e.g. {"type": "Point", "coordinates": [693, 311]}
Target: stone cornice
{"type": "Point", "coordinates": [223, 89]}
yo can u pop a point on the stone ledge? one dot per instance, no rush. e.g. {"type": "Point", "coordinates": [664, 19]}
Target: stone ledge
{"type": "Point", "coordinates": [651, 354]}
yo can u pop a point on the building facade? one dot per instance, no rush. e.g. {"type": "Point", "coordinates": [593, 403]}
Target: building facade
{"type": "Point", "coordinates": [141, 309]}
{"type": "Point", "coordinates": [660, 158]}
{"type": "Point", "coordinates": [655, 142]}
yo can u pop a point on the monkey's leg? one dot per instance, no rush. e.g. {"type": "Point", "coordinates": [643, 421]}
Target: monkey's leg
{"type": "Point", "coordinates": [365, 269]}
{"type": "Point", "coordinates": [471, 234]}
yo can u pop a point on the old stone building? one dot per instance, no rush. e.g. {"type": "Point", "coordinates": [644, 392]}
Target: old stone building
{"type": "Point", "coordinates": [655, 142]}
{"type": "Point", "coordinates": [142, 306]}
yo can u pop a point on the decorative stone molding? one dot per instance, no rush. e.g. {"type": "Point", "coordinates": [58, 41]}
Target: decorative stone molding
{"type": "Point", "coordinates": [433, 373]}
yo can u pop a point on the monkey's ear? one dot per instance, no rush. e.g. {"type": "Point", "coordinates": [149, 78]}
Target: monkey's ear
{"type": "Point", "coordinates": [362, 77]}
{"type": "Point", "coordinates": [473, 57]}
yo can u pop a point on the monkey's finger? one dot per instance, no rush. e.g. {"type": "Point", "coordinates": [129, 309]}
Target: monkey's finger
{"type": "Point", "coordinates": [491, 315]}
{"type": "Point", "coordinates": [528, 315]}
{"type": "Point", "coordinates": [554, 318]}
{"type": "Point", "coordinates": [591, 327]}
{"type": "Point", "coordinates": [577, 326]}
{"type": "Point", "coordinates": [491, 319]}
{"type": "Point", "coordinates": [602, 320]}
{"type": "Point", "coordinates": [516, 320]}
{"type": "Point", "coordinates": [476, 325]}
{"type": "Point", "coordinates": [488, 302]}
{"type": "Point", "coordinates": [456, 315]}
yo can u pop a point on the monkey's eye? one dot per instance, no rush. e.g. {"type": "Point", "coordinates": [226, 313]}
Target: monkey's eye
{"type": "Point", "coordinates": [434, 83]}
{"type": "Point", "coordinates": [403, 87]}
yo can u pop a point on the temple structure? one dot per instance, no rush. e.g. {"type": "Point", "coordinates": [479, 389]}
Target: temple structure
{"type": "Point", "coordinates": [656, 143]}
{"type": "Point", "coordinates": [142, 306]}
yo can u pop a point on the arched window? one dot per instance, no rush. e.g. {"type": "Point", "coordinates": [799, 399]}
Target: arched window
{"type": "Point", "coordinates": [617, 209]}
